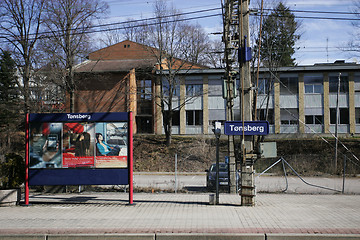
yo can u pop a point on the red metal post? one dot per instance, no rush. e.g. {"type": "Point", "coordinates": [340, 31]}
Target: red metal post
{"type": "Point", "coordinates": [27, 160]}
{"type": "Point", "coordinates": [130, 158]}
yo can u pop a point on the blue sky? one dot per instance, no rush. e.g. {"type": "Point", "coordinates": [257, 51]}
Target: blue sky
{"type": "Point", "coordinates": [320, 42]}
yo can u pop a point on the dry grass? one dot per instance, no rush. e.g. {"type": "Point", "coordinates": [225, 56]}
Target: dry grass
{"type": "Point", "coordinates": [195, 154]}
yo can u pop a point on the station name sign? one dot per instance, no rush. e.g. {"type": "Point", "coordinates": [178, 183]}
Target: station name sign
{"type": "Point", "coordinates": [78, 117]}
{"type": "Point", "coordinates": [249, 128]}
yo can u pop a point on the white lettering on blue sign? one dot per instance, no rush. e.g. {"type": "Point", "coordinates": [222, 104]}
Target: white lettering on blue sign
{"type": "Point", "coordinates": [79, 116]}
{"type": "Point", "coordinates": [247, 128]}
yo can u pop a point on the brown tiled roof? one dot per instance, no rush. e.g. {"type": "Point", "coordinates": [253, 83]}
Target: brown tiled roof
{"type": "Point", "coordinates": [124, 56]}
{"type": "Point", "coordinates": [115, 65]}
{"type": "Point", "coordinates": [124, 50]}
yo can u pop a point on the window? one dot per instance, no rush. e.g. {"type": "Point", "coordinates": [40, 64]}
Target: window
{"type": "Point", "coordinates": [289, 122]}
{"type": "Point", "coordinates": [270, 115]}
{"type": "Point", "coordinates": [193, 90]}
{"type": "Point", "coordinates": [264, 85]}
{"type": "Point", "coordinates": [289, 85]}
{"type": "Point", "coordinates": [357, 115]}
{"type": "Point", "coordinates": [145, 89]}
{"type": "Point", "coordinates": [357, 82]}
{"type": "Point", "coordinates": [313, 83]}
{"type": "Point", "coordinates": [343, 114]}
{"type": "Point", "coordinates": [144, 97]}
{"type": "Point", "coordinates": [174, 88]}
{"type": "Point", "coordinates": [194, 117]}
{"type": "Point", "coordinates": [215, 88]}
{"type": "Point", "coordinates": [289, 116]}
{"type": "Point", "coordinates": [175, 117]}
{"type": "Point", "coordinates": [314, 119]}
{"type": "Point", "coordinates": [314, 88]}
{"type": "Point", "coordinates": [333, 84]}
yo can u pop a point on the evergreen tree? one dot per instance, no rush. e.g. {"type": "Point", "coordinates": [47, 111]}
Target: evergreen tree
{"type": "Point", "coordinates": [9, 101]}
{"type": "Point", "coordinates": [8, 91]}
{"type": "Point", "coordinates": [278, 39]}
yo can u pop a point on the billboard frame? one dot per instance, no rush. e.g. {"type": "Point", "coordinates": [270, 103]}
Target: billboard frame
{"type": "Point", "coordinates": [80, 176]}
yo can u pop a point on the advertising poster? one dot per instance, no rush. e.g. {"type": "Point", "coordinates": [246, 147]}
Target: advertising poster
{"type": "Point", "coordinates": [45, 145]}
{"type": "Point", "coordinates": [111, 145]}
{"type": "Point", "coordinates": [78, 145]}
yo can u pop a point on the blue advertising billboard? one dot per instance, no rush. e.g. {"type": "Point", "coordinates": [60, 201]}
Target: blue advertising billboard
{"type": "Point", "coordinates": [78, 148]}
{"type": "Point", "coordinates": [249, 128]}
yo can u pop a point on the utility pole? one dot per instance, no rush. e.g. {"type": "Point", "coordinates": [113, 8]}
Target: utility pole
{"type": "Point", "coordinates": [248, 156]}
{"type": "Point", "coordinates": [236, 39]}
{"type": "Point", "coordinates": [231, 40]}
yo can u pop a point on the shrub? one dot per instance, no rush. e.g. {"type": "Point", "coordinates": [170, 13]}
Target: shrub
{"type": "Point", "coordinates": [12, 171]}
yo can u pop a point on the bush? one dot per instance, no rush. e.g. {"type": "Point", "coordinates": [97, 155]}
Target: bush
{"type": "Point", "coordinates": [12, 171]}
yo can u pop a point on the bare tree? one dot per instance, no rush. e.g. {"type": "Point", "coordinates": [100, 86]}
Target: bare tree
{"type": "Point", "coordinates": [353, 44]}
{"type": "Point", "coordinates": [136, 30]}
{"type": "Point", "coordinates": [131, 30]}
{"type": "Point", "coordinates": [214, 54]}
{"type": "Point", "coordinates": [68, 24]}
{"type": "Point", "coordinates": [195, 43]}
{"type": "Point", "coordinates": [171, 40]}
{"type": "Point", "coordinates": [111, 37]}
{"type": "Point", "coordinates": [20, 26]}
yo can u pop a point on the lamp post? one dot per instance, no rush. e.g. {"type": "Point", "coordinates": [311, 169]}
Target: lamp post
{"type": "Point", "coordinates": [217, 132]}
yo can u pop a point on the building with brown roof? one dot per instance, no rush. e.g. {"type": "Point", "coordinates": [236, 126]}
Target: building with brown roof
{"type": "Point", "coordinates": [303, 100]}
{"type": "Point", "coordinates": [121, 78]}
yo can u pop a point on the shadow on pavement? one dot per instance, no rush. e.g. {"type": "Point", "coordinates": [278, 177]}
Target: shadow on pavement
{"type": "Point", "coordinates": [96, 200]}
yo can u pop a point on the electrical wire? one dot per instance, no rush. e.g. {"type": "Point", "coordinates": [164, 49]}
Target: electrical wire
{"type": "Point", "coordinates": [311, 11]}
{"type": "Point", "coordinates": [92, 29]}
{"type": "Point", "coordinates": [42, 36]}
{"type": "Point", "coordinates": [296, 173]}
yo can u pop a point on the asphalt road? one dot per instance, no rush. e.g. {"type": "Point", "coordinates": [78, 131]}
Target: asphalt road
{"type": "Point", "coordinates": [264, 183]}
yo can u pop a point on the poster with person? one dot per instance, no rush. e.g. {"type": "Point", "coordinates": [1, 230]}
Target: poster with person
{"type": "Point", "coordinates": [78, 145]}
{"type": "Point", "coordinates": [111, 145]}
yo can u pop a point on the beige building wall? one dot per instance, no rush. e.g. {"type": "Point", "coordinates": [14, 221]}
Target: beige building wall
{"type": "Point", "coordinates": [326, 104]}
{"type": "Point", "coordinates": [352, 103]}
{"type": "Point", "coordinates": [205, 98]}
{"type": "Point", "coordinates": [301, 102]}
{"type": "Point", "coordinates": [277, 106]}
{"type": "Point", "coordinates": [182, 109]}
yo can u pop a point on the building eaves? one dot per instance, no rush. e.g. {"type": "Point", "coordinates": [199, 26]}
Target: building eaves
{"type": "Point", "coordinates": [114, 65]}
{"type": "Point", "coordinates": [332, 67]}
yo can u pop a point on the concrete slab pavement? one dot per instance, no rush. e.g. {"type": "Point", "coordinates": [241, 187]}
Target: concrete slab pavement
{"type": "Point", "coordinates": [156, 214]}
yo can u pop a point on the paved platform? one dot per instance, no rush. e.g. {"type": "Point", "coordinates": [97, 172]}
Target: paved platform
{"type": "Point", "coordinates": [165, 213]}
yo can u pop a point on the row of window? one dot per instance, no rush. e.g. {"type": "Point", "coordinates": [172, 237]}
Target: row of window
{"type": "Point", "coordinates": [312, 84]}
{"type": "Point", "coordinates": [193, 117]}
{"type": "Point", "coordinates": [310, 119]}
{"type": "Point", "coordinates": [192, 90]}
